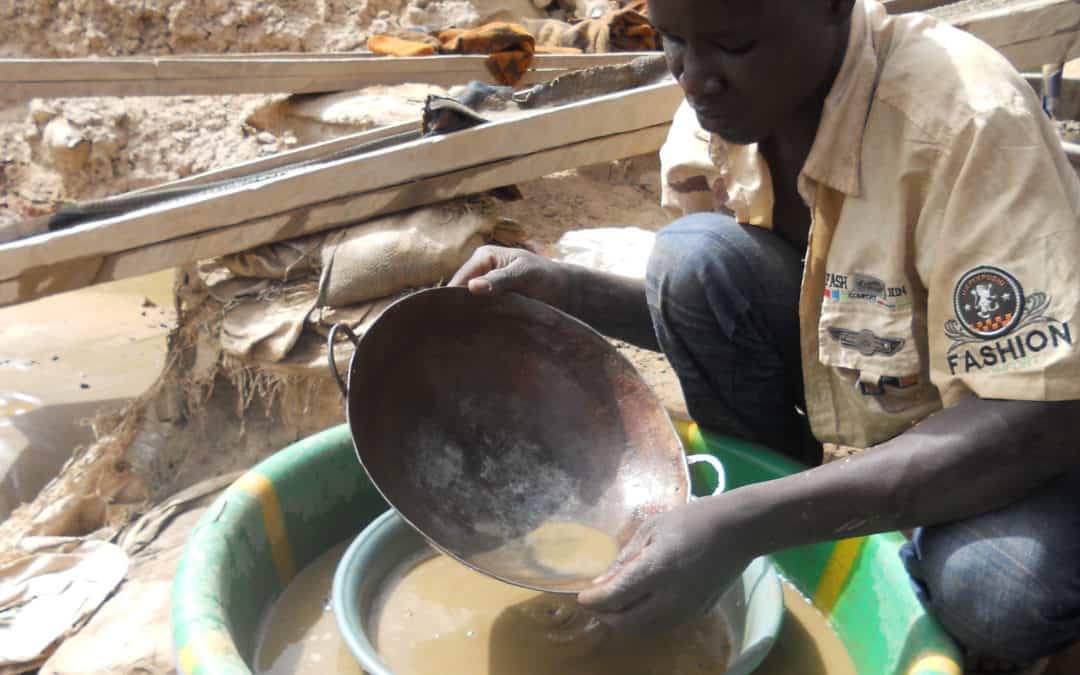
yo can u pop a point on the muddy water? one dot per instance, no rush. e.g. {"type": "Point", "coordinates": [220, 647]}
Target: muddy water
{"type": "Point", "coordinates": [444, 618]}
{"type": "Point", "coordinates": [806, 645]}
{"type": "Point", "coordinates": [299, 633]}
{"type": "Point", "coordinates": [64, 357]}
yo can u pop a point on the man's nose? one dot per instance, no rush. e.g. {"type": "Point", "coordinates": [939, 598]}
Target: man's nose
{"type": "Point", "coordinates": [702, 74]}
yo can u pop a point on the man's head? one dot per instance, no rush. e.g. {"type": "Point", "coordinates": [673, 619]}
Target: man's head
{"type": "Point", "coordinates": [749, 67]}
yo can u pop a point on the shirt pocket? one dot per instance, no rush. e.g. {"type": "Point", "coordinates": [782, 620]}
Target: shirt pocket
{"type": "Point", "coordinates": [875, 351]}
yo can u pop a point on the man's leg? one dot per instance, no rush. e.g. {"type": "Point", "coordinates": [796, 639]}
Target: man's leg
{"type": "Point", "coordinates": [724, 300]}
{"type": "Point", "coordinates": [1006, 584]}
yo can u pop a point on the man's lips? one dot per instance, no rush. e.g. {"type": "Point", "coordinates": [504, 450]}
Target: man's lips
{"type": "Point", "coordinates": [714, 113]}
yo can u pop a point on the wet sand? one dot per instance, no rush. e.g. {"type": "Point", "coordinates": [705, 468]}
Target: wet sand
{"type": "Point", "coordinates": [63, 358]}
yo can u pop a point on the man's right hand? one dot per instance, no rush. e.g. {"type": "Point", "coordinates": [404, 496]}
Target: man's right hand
{"type": "Point", "coordinates": [494, 269]}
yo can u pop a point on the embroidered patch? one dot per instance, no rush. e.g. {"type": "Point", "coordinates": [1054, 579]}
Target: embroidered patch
{"type": "Point", "coordinates": [997, 327]}
{"type": "Point", "coordinates": [856, 286]}
{"type": "Point", "coordinates": [866, 342]}
{"type": "Point", "coordinates": [988, 302]}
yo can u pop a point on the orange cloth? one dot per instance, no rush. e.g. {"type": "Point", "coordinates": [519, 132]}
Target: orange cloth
{"type": "Point", "coordinates": [623, 30]}
{"type": "Point", "coordinates": [630, 31]}
{"type": "Point", "coordinates": [509, 45]}
{"type": "Point", "coordinates": [395, 46]}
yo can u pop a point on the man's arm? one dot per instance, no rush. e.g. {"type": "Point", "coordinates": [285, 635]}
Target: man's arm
{"type": "Point", "coordinates": [976, 456]}
{"type": "Point", "coordinates": [612, 304]}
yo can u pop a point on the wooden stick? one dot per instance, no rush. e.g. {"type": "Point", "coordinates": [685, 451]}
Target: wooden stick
{"type": "Point", "coordinates": [76, 273]}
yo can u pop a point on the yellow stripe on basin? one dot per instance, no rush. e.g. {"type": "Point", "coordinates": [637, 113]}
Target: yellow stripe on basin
{"type": "Point", "coordinates": [260, 487]}
{"type": "Point", "coordinates": [837, 570]}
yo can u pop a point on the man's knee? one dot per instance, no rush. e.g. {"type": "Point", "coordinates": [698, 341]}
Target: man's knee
{"type": "Point", "coordinates": [999, 596]}
{"type": "Point", "coordinates": [684, 253]}
{"type": "Point", "coordinates": [709, 258]}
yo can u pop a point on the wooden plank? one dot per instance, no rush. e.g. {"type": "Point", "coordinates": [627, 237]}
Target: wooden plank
{"type": "Point", "coordinates": [240, 74]}
{"type": "Point", "coordinates": [214, 66]}
{"type": "Point", "coordinates": [904, 6]}
{"type": "Point", "coordinates": [76, 273]}
{"type": "Point", "coordinates": [291, 190]}
{"type": "Point", "coordinates": [252, 85]}
{"type": "Point", "coordinates": [1028, 32]}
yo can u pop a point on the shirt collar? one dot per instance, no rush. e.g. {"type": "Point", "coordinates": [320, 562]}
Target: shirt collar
{"type": "Point", "coordinates": [834, 158]}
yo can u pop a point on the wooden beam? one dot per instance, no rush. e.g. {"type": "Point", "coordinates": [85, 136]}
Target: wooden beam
{"type": "Point", "coordinates": [1028, 32]}
{"type": "Point", "coordinates": [246, 73]}
{"type": "Point", "coordinates": [904, 6]}
{"type": "Point", "coordinates": [76, 273]}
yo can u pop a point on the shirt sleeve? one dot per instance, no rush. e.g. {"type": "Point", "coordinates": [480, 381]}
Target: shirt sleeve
{"type": "Point", "coordinates": [699, 172]}
{"type": "Point", "coordinates": [686, 169]}
{"type": "Point", "coordinates": [999, 254]}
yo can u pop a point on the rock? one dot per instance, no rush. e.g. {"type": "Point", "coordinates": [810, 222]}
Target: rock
{"type": "Point", "coordinates": [414, 16]}
{"type": "Point", "coordinates": [41, 111]}
{"type": "Point", "coordinates": [64, 146]}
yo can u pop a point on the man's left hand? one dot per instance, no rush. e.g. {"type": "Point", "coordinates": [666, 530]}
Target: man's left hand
{"type": "Point", "coordinates": [674, 569]}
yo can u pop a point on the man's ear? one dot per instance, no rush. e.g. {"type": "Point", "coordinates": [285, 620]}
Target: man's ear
{"type": "Point", "coordinates": [840, 10]}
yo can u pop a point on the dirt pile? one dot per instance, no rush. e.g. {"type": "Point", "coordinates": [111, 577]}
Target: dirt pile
{"type": "Point", "coordinates": [116, 27]}
{"type": "Point", "coordinates": [71, 149]}
{"type": "Point", "coordinates": [68, 28]}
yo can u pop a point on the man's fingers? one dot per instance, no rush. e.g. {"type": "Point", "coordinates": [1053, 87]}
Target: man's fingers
{"type": "Point", "coordinates": [625, 585]}
{"type": "Point", "coordinates": [501, 279]}
{"type": "Point", "coordinates": [481, 262]}
{"type": "Point", "coordinates": [492, 270]}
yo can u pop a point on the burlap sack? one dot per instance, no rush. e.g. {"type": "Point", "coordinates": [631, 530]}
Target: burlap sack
{"type": "Point", "coordinates": [409, 250]}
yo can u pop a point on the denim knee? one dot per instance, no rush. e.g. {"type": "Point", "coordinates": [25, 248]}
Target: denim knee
{"type": "Point", "coordinates": [682, 255]}
{"type": "Point", "coordinates": [710, 259]}
{"type": "Point", "coordinates": [1000, 592]}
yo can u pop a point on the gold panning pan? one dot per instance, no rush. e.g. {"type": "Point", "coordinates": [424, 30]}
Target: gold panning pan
{"type": "Point", "coordinates": [512, 436]}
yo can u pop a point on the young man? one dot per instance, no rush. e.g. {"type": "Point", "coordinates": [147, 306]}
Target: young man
{"type": "Point", "coordinates": [883, 251]}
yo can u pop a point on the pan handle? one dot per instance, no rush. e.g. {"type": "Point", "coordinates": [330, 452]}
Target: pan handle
{"type": "Point", "coordinates": [717, 466]}
{"type": "Point", "coordinates": [330, 354]}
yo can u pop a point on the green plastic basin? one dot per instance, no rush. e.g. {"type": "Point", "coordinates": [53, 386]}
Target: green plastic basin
{"type": "Point", "coordinates": [312, 495]}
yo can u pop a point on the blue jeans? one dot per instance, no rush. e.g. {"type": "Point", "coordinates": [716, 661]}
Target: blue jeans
{"type": "Point", "coordinates": [724, 302]}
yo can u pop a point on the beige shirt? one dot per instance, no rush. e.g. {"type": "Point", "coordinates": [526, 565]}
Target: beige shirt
{"type": "Point", "coordinates": [944, 255]}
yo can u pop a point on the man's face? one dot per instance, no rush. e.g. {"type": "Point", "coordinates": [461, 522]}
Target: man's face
{"type": "Point", "coordinates": [748, 66]}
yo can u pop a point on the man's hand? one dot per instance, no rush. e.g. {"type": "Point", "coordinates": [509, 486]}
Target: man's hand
{"type": "Point", "coordinates": [611, 304]}
{"type": "Point", "coordinates": [674, 569]}
{"type": "Point", "coordinates": [494, 270]}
